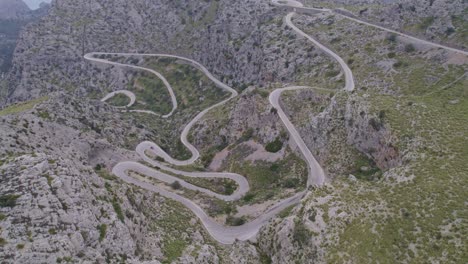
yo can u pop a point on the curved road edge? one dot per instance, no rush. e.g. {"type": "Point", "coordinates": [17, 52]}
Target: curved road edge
{"type": "Point", "coordinates": [90, 57]}
{"type": "Point", "coordinates": [349, 78]}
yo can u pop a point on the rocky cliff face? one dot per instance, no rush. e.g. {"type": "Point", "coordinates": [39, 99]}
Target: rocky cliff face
{"type": "Point", "coordinates": [65, 205]}
{"type": "Point", "coordinates": [14, 16]}
{"type": "Point", "coordinates": [227, 37]}
{"type": "Point", "coordinates": [59, 201]}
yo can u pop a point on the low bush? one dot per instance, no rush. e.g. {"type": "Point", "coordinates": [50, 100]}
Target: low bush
{"type": "Point", "coordinates": [235, 221]}
{"type": "Point", "coordinates": [274, 146]}
{"type": "Point", "coordinates": [8, 200]}
{"type": "Point", "coordinates": [176, 185]}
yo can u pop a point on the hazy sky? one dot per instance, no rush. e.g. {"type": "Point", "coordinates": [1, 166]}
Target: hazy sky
{"type": "Point", "coordinates": [34, 4]}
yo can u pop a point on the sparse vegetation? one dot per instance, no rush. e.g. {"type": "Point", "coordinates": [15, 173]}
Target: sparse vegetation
{"type": "Point", "coordinates": [176, 185]}
{"type": "Point", "coordinates": [102, 231]}
{"type": "Point", "coordinates": [8, 200]}
{"type": "Point", "coordinates": [102, 171]}
{"type": "Point", "coordinates": [119, 100]}
{"type": "Point", "coordinates": [235, 221]}
{"type": "Point", "coordinates": [173, 249]}
{"type": "Point", "coordinates": [301, 234]}
{"type": "Point", "coordinates": [409, 48]}
{"type": "Point", "coordinates": [22, 107]}
{"type": "Point", "coordinates": [118, 209]}
{"type": "Point", "coordinates": [274, 146]}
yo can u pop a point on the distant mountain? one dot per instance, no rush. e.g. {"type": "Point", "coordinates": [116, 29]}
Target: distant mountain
{"type": "Point", "coordinates": [14, 15]}
{"type": "Point", "coordinates": [35, 4]}
{"type": "Point", "coordinates": [13, 9]}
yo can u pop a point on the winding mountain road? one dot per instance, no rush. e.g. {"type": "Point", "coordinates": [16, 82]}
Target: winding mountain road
{"type": "Point", "coordinates": [415, 39]}
{"type": "Point", "coordinates": [147, 150]}
{"type": "Point", "coordinates": [316, 174]}
{"type": "Point", "coordinates": [223, 234]}
{"type": "Point", "coordinates": [91, 57]}
{"type": "Point", "coordinates": [299, 6]}
{"type": "Point", "coordinates": [349, 79]}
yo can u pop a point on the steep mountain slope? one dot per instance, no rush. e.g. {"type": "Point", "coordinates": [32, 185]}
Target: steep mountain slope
{"type": "Point", "coordinates": [435, 20]}
{"type": "Point", "coordinates": [227, 37]}
{"type": "Point", "coordinates": [14, 16]}
{"type": "Point", "coordinates": [392, 149]}
{"type": "Point", "coordinates": [403, 201]}
{"type": "Point", "coordinates": [71, 141]}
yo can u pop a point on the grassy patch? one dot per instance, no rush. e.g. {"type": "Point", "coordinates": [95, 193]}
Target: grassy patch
{"type": "Point", "coordinates": [103, 173]}
{"type": "Point", "coordinates": [267, 179]}
{"type": "Point", "coordinates": [301, 234]}
{"type": "Point", "coordinates": [151, 94]}
{"type": "Point", "coordinates": [102, 231]}
{"type": "Point", "coordinates": [365, 169]}
{"type": "Point", "coordinates": [194, 92]}
{"type": "Point", "coordinates": [173, 249]}
{"type": "Point", "coordinates": [286, 212]}
{"type": "Point", "coordinates": [22, 107]}
{"type": "Point", "coordinates": [119, 100]}
{"type": "Point", "coordinates": [118, 209]}
{"type": "Point", "coordinates": [218, 185]}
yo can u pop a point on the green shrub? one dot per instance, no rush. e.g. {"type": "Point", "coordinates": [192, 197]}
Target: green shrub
{"type": "Point", "coordinates": [399, 64]}
{"type": "Point", "coordinates": [291, 183]}
{"type": "Point", "coordinates": [118, 209]}
{"type": "Point", "coordinates": [176, 185]}
{"type": "Point", "coordinates": [102, 231]}
{"type": "Point", "coordinates": [301, 234]}
{"type": "Point", "coordinates": [235, 221]}
{"type": "Point", "coordinates": [43, 114]}
{"type": "Point", "coordinates": [286, 212]}
{"type": "Point", "coordinates": [173, 249]}
{"type": "Point", "coordinates": [274, 146]}
{"type": "Point", "coordinates": [247, 135]}
{"type": "Point", "coordinates": [392, 37]}
{"type": "Point", "coordinates": [275, 167]}
{"type": "Point", "coordinates": [229, 187]}
{"type": "Point", "coordinates": [8, 200]}
{"type": "Point", "coordinates": [207, 158]}
{"type": "Point", "coordinates": [410, 48]}
{"type": "Point", "coordinates": [248, 197]}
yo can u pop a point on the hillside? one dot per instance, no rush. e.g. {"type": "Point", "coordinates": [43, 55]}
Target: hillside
{"type": "Point", "coordinates": [235, 132]}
